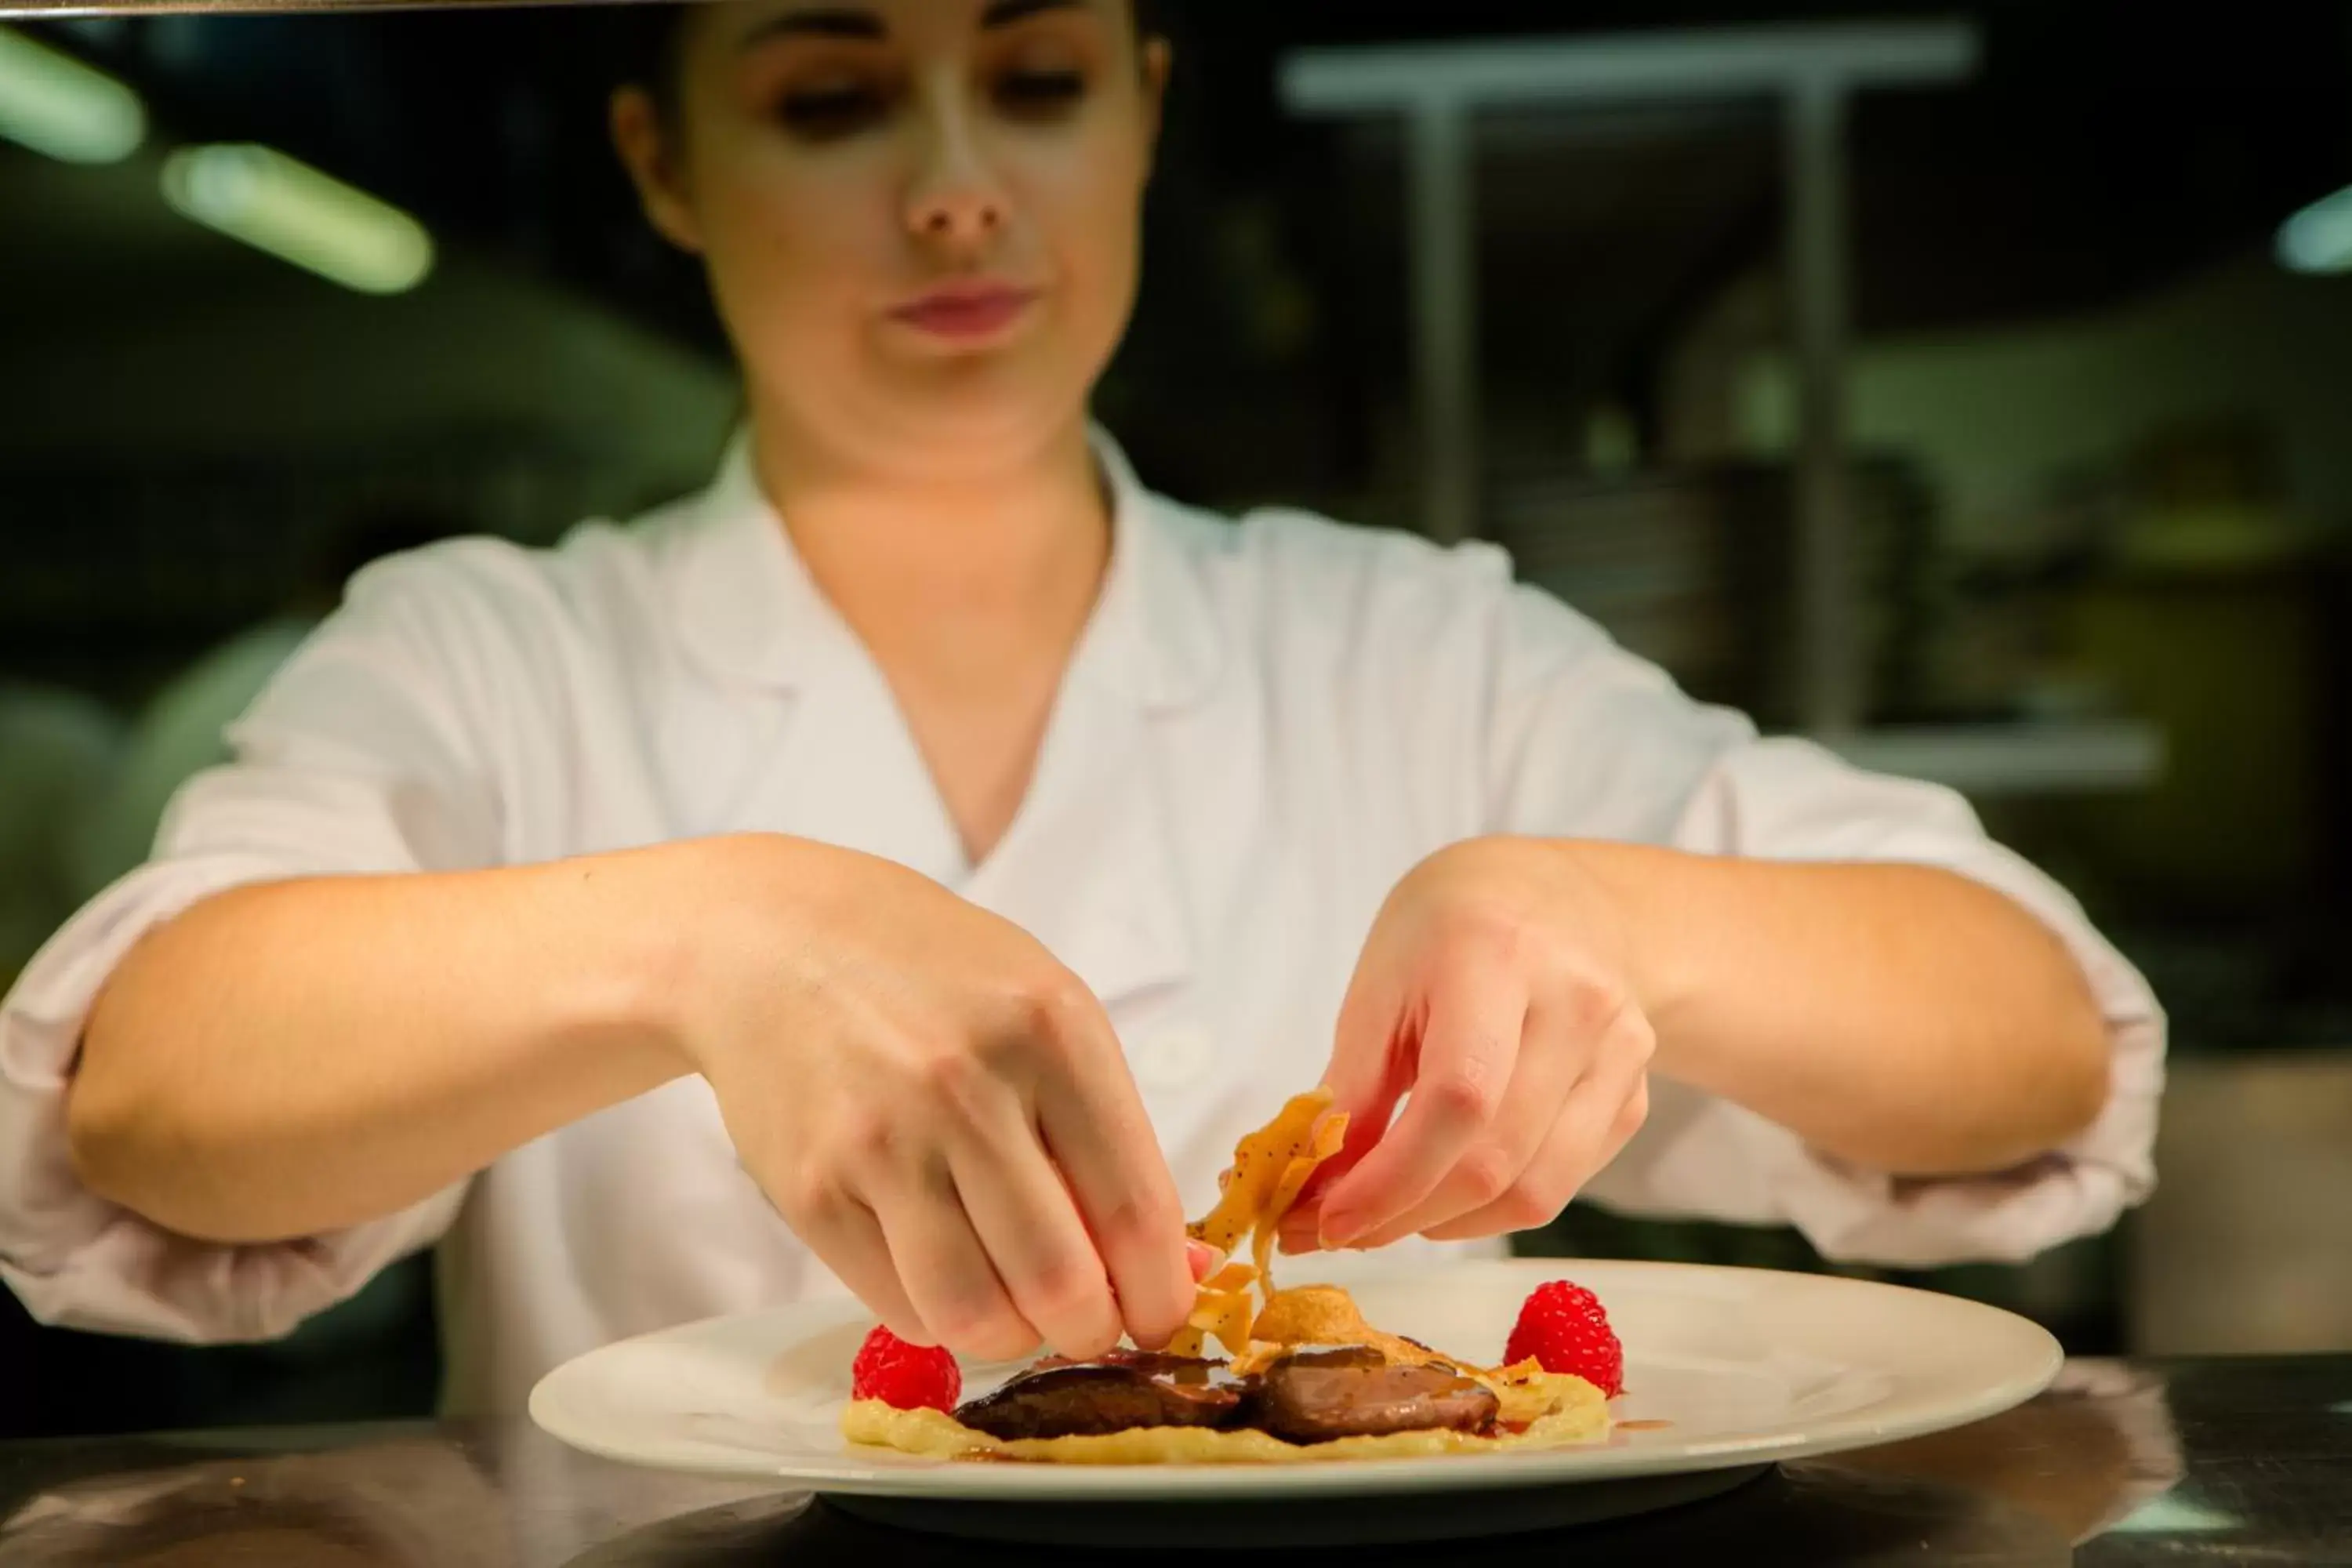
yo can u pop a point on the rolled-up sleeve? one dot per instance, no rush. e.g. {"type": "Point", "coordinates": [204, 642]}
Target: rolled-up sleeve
{"type": "Point", "coordinates": [352, 761]}
{"type": "Point", "coordinates": [1590, 742]}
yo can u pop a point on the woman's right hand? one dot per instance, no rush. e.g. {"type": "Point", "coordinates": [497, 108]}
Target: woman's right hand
{"type": "Point", "coordinates": [938, 1107]}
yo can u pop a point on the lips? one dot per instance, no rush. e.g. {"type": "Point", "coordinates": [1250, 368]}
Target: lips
{"type": "Point", "coordinates": [964, 313]}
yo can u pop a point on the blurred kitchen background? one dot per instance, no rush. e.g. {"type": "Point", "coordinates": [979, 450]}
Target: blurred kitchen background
{"type": "Point", "coordinates": [1970, 386]}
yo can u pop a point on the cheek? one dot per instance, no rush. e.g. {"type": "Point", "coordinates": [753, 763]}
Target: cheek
{"type": "Point", "coordinates": [1090, 212]}
{"type": "Point", "coordinates": [791, 249]}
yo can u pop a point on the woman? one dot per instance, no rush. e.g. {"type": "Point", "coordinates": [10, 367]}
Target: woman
{"type": "Point", "coordinates": [908, 866]}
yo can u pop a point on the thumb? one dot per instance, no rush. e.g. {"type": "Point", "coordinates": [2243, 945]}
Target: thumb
{"type": "Point", "coordinates": [1369, 1067]}
{"type": "Point", "coordinates": [1369, 1070]}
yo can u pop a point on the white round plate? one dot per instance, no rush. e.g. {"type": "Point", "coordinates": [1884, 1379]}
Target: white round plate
{"type": "Point", "coordinates": [1725, 1369]}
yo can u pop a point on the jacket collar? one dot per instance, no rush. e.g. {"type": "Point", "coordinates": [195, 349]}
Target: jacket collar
{"type": "Point", "coordinates": [1090, 865]}
{"type": "Point", "coordinates": [749, 609]}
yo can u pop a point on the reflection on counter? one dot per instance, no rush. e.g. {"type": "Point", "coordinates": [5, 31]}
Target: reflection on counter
{"type": "Point", "coordinates": [416, 1504]}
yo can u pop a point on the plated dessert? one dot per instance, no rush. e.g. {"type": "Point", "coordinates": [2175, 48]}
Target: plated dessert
{"type": "Point", "coordinates": [1304, 1375]}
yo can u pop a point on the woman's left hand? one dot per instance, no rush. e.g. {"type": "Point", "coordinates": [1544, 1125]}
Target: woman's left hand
{"type": "Point", "coordinates": [1494, 990]}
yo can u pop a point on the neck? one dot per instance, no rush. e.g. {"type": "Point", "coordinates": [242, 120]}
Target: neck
{"type": "Point", "coordinates": [970, 593]}
{"type": "Point", "coordinates": [1026, 540]}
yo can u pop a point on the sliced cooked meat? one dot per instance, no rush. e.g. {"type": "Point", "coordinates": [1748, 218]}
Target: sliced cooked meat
{"type": "Point", "coordinates": [1059, 1398]}
{"type": "Point", "coordinates": [1315, 1396]}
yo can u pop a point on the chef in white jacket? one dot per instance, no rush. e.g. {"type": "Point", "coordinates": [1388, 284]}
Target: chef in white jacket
{"type": "Point", "coordinates": [908, 866]}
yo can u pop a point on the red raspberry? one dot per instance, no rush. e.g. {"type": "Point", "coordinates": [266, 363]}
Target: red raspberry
{"type": "Point", "coordinates": [908, 1377]}
{"type": "Point", "coordinates": [1563, 1327]}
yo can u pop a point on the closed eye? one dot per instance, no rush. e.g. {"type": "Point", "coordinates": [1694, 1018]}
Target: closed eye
{"type": "Point", "coordinates": [1041, 93]}
{"type": "Point", "coordinates": [826, 111]}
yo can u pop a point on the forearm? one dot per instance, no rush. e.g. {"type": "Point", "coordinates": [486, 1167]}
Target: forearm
{"type": "Point", "coordinates": [1900, 1017]}
{"type": "Point", "coordinates": [290, 1059]}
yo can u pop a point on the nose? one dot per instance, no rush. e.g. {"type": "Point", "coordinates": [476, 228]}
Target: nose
{"type": "Point", "coordinates": [956, 198]}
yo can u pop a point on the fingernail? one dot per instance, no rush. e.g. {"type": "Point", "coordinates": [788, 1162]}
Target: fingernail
{"type": "Point", "coordinates": [1337, 1231]}
{"type": "Point", "coordinates": [1202, 1258]}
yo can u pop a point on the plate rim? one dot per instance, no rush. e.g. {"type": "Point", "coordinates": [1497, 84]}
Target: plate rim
{"type": "Point", "coordinates": [1114, 1484]}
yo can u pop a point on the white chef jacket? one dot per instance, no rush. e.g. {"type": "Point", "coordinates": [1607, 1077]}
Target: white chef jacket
{"type": "Point", "coordinates": [1266, 723]}
{"type": "Point", "coordinates": [178, 733]}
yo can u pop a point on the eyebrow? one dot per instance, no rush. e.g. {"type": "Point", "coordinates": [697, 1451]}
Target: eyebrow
{"type": "Point", "coordinates": [845, 22]}
{"type": "Point", "coordinates": [820, 23]}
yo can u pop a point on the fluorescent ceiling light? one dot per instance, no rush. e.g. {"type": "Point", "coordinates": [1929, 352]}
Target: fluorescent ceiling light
{"type": "Point", "coordinates": [286, 207]}
{"type": "Point", "coordinates": [2319, 237]}
{"type": "Point", "coordinates": [2169, 1513]}
{"type": "Point", "coordinates": [53, 103]}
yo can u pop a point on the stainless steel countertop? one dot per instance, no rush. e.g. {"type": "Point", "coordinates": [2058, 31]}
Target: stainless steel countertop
{"type": "Point", "coordinates": [2236, 1462]}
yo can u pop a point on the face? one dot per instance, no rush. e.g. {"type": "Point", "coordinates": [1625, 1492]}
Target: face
{"type": "Point", "coordinates": [919, 217]}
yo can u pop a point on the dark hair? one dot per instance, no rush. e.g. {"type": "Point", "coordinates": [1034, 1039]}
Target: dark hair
{"type": "Point", "coordinates": [648, 41]}
{"type": "Point", "coordinates": [643, 47]}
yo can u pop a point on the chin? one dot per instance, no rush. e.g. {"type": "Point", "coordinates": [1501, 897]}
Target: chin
{"type": "Point", "coordinates": [977, 421]}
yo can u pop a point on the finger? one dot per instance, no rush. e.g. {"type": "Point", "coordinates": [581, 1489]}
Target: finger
{"type": "Point", "coordinates": [1098, 1134]}
{"type": "Point", "coordinates": [1369, 1070]}
{"type": "Point", "coordinates": [847, 1239]}
{"type": "Point", "coordinates": [1371, 1056]}
{"type": "Point", "coordinates": [1201, 1258]}
{"type": "Point", "coordinates": [1467, 1045]}
{"type": "Point", "coordinates": [950, 1280]}
{"type": "Point", "coordinates": [1571, 1157]}
{"type": "Point", "coordinates": [1023, 1216]}
{"type": "Point", "coordinates": [1552, 1061]}
{"type": "Point", "coordinates": [1301, 1230]}
{"type": "Point", "coordinates": [1631, 1118]}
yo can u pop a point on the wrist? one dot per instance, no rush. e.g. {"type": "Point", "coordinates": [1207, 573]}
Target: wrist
{"type": "Point", "coordinates": [1645, 896]}
{"type": "Point", "coordinates": [702, 925]}
{"type": "Point", "coordinates": [637, 951]}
